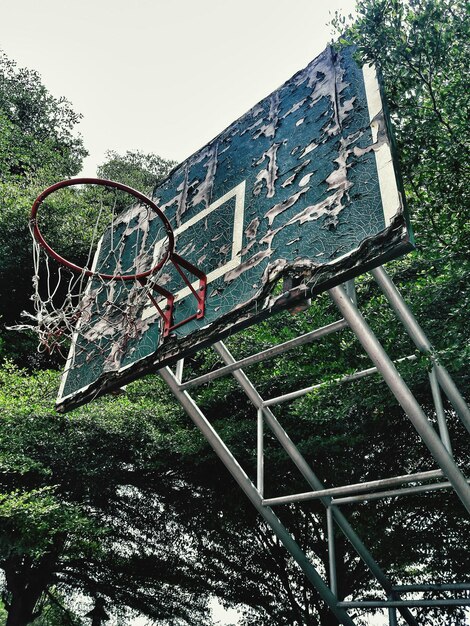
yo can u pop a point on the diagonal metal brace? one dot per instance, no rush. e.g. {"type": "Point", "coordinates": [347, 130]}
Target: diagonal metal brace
{"type": "Point", "coordinates": [213, 438]}
{"type": "Point", "coordinates": [309, 475]}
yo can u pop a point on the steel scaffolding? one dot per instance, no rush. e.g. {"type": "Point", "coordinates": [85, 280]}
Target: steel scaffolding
{"type": "Point", "coordinates": [447, 475]}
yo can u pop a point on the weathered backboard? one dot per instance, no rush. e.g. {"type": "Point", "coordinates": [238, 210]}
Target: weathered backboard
{"type": "Point", "coordinates": [303, 185]}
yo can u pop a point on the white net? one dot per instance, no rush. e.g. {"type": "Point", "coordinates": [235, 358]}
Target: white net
{"type": "Point", "coordinates": [118, 245]}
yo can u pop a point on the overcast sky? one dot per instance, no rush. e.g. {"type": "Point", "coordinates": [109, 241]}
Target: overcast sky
{"type": "Point", "coordinates": [160, 76]}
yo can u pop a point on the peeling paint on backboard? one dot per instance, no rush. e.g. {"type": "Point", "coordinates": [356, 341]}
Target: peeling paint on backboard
{"type": "Point", "coordinates": [303, 183]}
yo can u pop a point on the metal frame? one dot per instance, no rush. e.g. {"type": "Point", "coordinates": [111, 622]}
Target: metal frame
{"type": "Point", "coordinates": [438, 445]}
{"type": "Point", "coordinates": [166, 312]}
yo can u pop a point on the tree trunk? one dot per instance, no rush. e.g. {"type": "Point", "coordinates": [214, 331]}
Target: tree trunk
{"type": "Point", "coordinates": [26, 581]}
{"type": "Point", "coordinates": [21, 608]}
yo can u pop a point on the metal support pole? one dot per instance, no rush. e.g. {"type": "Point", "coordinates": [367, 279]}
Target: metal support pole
{"type": "Point", "coordinates": [392, 614]}
{"type": "Point", "coordinates": [352, 489]}
{"type": "Point", "coordinates": [251, 492]}
{"type": "Point", "coordinates": [440, 414]}
{"type": "Point", "coordinates": [348, 378]}
{"type": "Point", "coordinates": [179, 370]}
{"type": "Point", "coordinates": [433, 587]}
{"type": "Point", "coordinates": [270, 353]}
{"type": "Point", "coordinates": [331, 551]}
{"type": "Point", "coordinates": [383, 604]}
{"type": "Point", "coordinates": [350, 288]}
{"type": "Point", "coordinates": [310, 477]}
{"type": "Point", "coordinates": [260, 453]}
{"type": "Point", "coordinates": [402, 393]}
{"type": "Point", "coordinates": [422, 342]}
{"type": "Point", "coordinates": [378, 495]}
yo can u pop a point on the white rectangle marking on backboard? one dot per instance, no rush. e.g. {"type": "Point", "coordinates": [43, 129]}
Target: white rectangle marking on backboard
{"type": "Point", "coordinates": [237, 240]}
{"type": "Point", "coordinates": [386, 172]}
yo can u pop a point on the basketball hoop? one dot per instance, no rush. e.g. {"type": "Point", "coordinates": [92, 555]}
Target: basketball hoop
{"type": "Point", "coordinates": [69, 297]}
{"type": "Point", "coordinates": [104, 183]}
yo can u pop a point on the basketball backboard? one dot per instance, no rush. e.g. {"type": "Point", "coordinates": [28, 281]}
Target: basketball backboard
{"type": "Point", "coordinates": [303, 185]}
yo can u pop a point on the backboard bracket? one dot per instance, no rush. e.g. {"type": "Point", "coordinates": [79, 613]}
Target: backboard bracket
{"type": "Point", "coordinates": [288, 284]}
{"type": "Point", "coordinates": [166, 311]}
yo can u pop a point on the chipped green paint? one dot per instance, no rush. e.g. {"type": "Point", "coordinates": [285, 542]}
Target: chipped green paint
{"type": "Point", "coordinates": [304, 184]}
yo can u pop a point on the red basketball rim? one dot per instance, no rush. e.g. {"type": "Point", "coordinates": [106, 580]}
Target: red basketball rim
{"type": "Point", "coordinates": [104, 183]}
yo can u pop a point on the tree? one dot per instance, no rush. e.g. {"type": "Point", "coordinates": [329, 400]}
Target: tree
{"type": "Point", "coordinates": [87, 506]}
{"type": "Point", "coordinates": [421, 48]}
{"type": "Point", "coordinates": [38, 146]}
{"type": "Point", "coordinates": [53, 612]}
{"type": "Point", "coordinates": [57, 530]}
{"type": "Point", "coordinates": [135, 169]}
{"type": "Point", "coordinates": [37, 130]}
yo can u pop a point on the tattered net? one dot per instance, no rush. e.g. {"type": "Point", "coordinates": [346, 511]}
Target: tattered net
{"type": "Point", "coordinates": [99, 249]}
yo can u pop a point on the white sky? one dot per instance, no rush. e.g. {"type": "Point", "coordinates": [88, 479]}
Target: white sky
{"type": "Point", "coordinates": [161, 76]}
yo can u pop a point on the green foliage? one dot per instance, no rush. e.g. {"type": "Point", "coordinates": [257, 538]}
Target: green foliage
{"type": "Point", "coordinates": [36, 138]}
{"type": "Point", "coordinates": [53, 612]}
{"type": "Point", "coordinates": [135, 169]}
{"type": "Point", "coordinates": [84, 496]}
{"type": "Point", "coordinates": [3, 614]}
{"type": "Point", "coordinates": [37, 147]}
